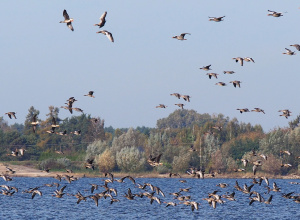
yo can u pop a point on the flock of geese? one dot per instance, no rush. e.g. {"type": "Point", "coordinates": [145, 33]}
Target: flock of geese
{"type": "Point", "coordinates": [69, 106]}
{"type": "Point", "coordinates": [108, 189]}
{"type": "Point", "coordinates": [241, 61]}
{"type": "Point", "coordinates": [101, 23]}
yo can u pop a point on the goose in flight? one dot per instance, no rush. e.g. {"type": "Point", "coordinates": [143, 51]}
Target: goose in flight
{"type": "Point", "coordinates": [90, 94]}
{"type": "Point", "coordinates": [206, 68]}
{"type": "Point", "coordinates": [216, 19]}
{"type": "Point", "coordinates": [286, 113]}
{"type": "Point", "coordinates": [236, 83]}
{"type": "Point", "coordinates": [108, 34]}
{"type": "Point", "coordinates": [228, 72]}
{"type": "Point", "coordinates": [258, 110]}
{"type": "Point", "coordinates": [161, 106]}
{"type": "Point", "coordinates": [34, 122]}
{"type": "Point", "coordinates": [181, 36]}
{"type": "Point", "coordinates": [243, 110]}
{"type": "Point", "coordinates": [180, 105]}
{"type": "Point", "coordinates": [220, 84]}
{"type": "Point", "coordinates": [289, 52]}
{"type": "Point", "coordinates": [154, 161]}
{"type": "Point", "coordinates": [67, 20]}
{"type": "Point", "coordinates": [11, 114]}
{"type": "Point", "coordinates": [239, 59]}
{"type": "Point", "coordinates": [212, 75]}
{"type": "Point", "coordinates": [248, 59]}
{"type": "Point", "coordinates": [275, 14]}
{"type": "Point", "coordinates": [297, 46]}
{"type": "Point", "coordinates": [186, 97]}
{"type": "Point", "coordinates": [102, 20]}
{"type": "Point", "coordinates": [176, 95]}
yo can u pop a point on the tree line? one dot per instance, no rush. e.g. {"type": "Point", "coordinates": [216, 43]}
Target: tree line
{"type": "Point", "coordinates": [185, 139]}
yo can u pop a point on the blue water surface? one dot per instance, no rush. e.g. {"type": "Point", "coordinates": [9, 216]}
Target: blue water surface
{"type": "Point", "coordinates": [21, 206]}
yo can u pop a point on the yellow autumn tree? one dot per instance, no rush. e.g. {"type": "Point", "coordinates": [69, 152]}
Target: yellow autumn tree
{"type": "Point", "coordinates": [106, 161]}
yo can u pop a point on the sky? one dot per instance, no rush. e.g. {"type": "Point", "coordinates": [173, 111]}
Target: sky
{"type": "Point", "coordinates": [44, 63]}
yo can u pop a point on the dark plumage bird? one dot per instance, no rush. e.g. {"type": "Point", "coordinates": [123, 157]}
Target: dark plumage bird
{"type": "Point", "coordinates": [129, 195]}
{"type": "Point", "coordinates": [210, 75]}
{"type": "Point", "coordinates": [186, 97]}
{"type": "Point", "coordinates": [108, 34]}
{"type": "Point", "coordinates": [181, 36]}
{"type": "Point", "coordinates": [154, 161]}
{"type": "Point", "coordinates": [161, 106]}
{"type": "Point", "coordinates": [102, 20]}
{"type": "Point", "coordinates": [243, 110]}
{"type": "Point", "coordinates": [289, 52]}
{"type": "Point", "coordinates": [11, 114]}
{"type": "Point", "coordinates": [67, 20]}
{"type": "Point", "coordinates": [176, 95]}
{"type": "Point", "coordinates": [236, 83]}
{"type": "Point", "coordinates": [297, 46]}
{"type": "Point", "coordinates": [216, 19]}
{"type": "Point", "coordinates": [89, 164]}
{"type": "Point", "coordinates": [34, 122]}
{"type": "Point", "coordinates": [275, 14]}
{"type": "Point", "coordinates": [90, 94]}
{"type": "Point", "coordinates": [206, 68]}
{"type": "Point", "coordinates": [258, 110]}
{"type": "Point", "coordinates": [220, 84]}
{"type": "Point", "coordinates": [180, 105]}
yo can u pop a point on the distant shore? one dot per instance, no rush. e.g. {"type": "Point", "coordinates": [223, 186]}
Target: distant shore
{"type": "Point", "coordinates": [25, 171]}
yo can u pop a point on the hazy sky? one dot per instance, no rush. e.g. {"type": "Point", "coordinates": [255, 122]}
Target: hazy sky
{"type": "Point", "coordinates": [44, 63]}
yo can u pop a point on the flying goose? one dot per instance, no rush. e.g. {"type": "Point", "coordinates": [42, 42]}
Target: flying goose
{"type": "Point", "coordinates": [248, 59]}
{"type": "Point", "coordinates": [206, 68]}
{"type": "Point", "coordinates": [34, 122]}
{"type": "Point", "coordinates": [108, 34]}
{"type": "Point", "coordinates": [181, 36]}
{"type": "Point", "coordinates": [62, 133]}
{"type": "Point", "coordinates": [212, 75]}
{"type": "Point", "coordinates": [243, 110]}
{"type": "Point", "coordinates": [67, 20]}
{"type": "Point", "coordinates": [102, 20]}
{"type": "Point", "coordinates": [236, 83]}
{"type": "Point", "coordinates": [154, 161]}
{"type": "Point", "coordinates": [245, 162]}
{"type": "Point", "coordinates": [176, 95]}
{"type": "Point", "coordinates": [258, 110]}
{"type": "Point", "coordinates": [286, 113]}
{"type": "Point", "coordinates": [76, 132]}
{"type": "Point", "coordinates": [239, 59]}
{"type": "Point", "coordinates": [228, 72]}
{"type": "Point", "coordinates": [11, 114]}
{"type": "Point", "coordinates": [297, 46]}
{"type": "Point", "coordinates": [78, 109]}
{"type": "Point", "coordinates": [285, 152]}
{"type": "Point", "coordinates": [129, 195]}
{"type": "Point", "coordinates": [275, 14]}
{"type": "Point", "coordinates": [289, 52]}
{"type": "Point", "coordinates": [216, 19]}
{"type": "Point", "coordinates": [90, 94]}
{"type": "Point", "coordinates": [180, 105]}
{"type": "Point", "coordinates": [186, 97]}
{"type": "Point", "coordinates": [161, 106]}
{"type": "Point", "coordinates": [220, 84]}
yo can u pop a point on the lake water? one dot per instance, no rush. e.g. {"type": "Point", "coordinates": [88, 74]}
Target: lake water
{"type": "Point", "coordinates": [21, 206]}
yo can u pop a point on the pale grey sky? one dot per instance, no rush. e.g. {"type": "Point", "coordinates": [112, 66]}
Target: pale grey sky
{"type": "Point", "coordinates": [43, 63]}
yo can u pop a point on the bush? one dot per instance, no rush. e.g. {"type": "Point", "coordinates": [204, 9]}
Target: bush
{"type": "Point", "coordinates": [130, 159]}
{"type": "Point", "coordinates": [106, 161]}
{"type": "Point", "coordinates": [181, 163]}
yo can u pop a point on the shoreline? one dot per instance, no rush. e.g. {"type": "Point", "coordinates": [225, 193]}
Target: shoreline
{"type": "Point", "coordinates": [24, 171]}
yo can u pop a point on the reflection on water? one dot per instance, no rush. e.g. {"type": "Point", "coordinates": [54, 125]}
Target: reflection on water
{"type": "Point", "coordinates": [20, 205]}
